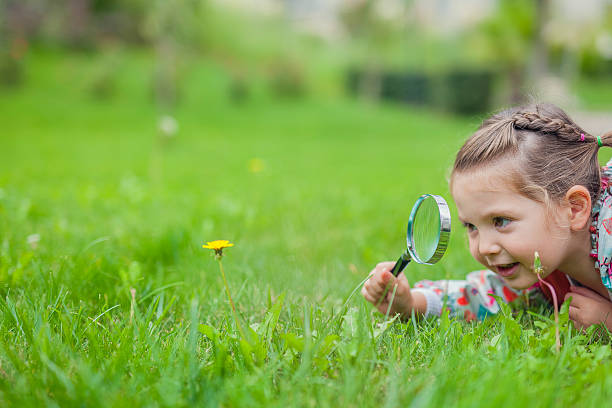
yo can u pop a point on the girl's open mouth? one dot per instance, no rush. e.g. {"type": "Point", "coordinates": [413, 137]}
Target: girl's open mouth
{"type": "Point", "coordinates": [507, 270]}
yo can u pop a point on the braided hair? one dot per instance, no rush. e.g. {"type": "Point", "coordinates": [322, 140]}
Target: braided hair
{"type": "Point", "coordinates": [552, 153]}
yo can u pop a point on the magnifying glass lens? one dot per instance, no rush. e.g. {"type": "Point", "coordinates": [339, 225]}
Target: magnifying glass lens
{"type": "Point", "coordinates": [426, 229]}
{"type": "Point", "coordinates": [427, 233]}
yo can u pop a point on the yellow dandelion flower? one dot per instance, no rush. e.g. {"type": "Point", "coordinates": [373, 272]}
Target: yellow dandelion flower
{"type": "Point", "coordinates": [218, 246]}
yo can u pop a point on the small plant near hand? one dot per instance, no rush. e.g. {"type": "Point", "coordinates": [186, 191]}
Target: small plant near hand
{"type": "Point", "coordinates": [218, 247]}
{"type": "Point", "coordinates": [539, 270]}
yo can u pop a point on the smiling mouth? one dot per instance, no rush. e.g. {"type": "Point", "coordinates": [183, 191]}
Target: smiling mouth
{"type": "Point", "coordinates": [507, 270]}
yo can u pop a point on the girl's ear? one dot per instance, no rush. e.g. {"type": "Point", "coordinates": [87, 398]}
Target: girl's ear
{"type": "Point", "coordinates": [579, 201]}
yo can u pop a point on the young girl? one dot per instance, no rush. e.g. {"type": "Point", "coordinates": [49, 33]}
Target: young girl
{"type": "Point", "coordinates": [528, 180]}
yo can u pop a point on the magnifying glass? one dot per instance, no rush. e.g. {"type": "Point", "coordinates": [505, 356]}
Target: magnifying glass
{"type": "Point", "coordinates": [428, 232]}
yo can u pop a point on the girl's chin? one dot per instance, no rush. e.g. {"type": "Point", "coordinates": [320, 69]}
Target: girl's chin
{"type": "Point", "coordinates": [522, 282]}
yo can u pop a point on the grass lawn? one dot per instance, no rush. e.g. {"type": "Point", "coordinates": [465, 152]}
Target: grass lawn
{"type": "Point", "coordinates": [108, 299]}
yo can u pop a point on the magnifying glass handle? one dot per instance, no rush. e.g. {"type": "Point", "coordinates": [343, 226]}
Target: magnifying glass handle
{"type": "Point", "coordinates": [400, 264]}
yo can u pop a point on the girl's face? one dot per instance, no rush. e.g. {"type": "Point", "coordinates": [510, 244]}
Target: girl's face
{"type": "Point", "coordinates": [505, 228]}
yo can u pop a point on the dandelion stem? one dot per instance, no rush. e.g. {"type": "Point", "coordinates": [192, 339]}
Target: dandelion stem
{"type": "Point", "coordinates": [538, 269]}
{"type": "Point", "coordinates": [230, 299]}
{"type": "Point", "coordinates": [556, 311]}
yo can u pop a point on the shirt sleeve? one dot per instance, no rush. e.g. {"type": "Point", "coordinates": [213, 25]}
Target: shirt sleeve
{"type": "Point", "coordinates": [602, 227]}
{"type": "Point", "coordinates": [466, 299]}
{"type": "Point", "coordinates": [606, 171]}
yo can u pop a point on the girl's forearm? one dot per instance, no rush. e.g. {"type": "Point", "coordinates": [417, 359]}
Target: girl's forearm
{"type": "Point", "coordinates": [419, 304]}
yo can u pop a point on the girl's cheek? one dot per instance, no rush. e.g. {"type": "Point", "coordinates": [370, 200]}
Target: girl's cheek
{"type": "Point", "coordinates": [473, 245]}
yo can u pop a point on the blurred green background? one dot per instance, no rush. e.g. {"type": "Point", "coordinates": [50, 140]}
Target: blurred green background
{"type": "Point", "coordinates": [301, 130]}
{"type": "Point", "coordinates": [460, 58]}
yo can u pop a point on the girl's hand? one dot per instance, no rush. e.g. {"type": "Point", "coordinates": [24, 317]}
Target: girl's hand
{"type": "Point", "coordinates": [588, 308]}
{"type": "Point", "coordinates": [382, 280]}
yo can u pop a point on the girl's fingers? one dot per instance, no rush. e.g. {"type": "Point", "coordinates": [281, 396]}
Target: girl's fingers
{"type": "Point", "coordinates": [587, 293]}
{"type": "Point", "coordinates": [573, 312]}
{"type": "Point", "coordinates": [377, 284]}
{"type": "Point", "coordinates": [403, 280]}
{"type": "Point", "coordinates": [385, 266]}
{"type": "Point", "coordinates": [378, 288]}
{"type": "Point", "coordinates": [376, 274]}
{"type": "Point", "coordinates": [375, 300]}
{"type": "Point", "coordinates": [578, 300]}
{"type": "Point", "coordinates": [574, 315]}
{"type": "Point", "coordinates": [368, 297]}
{"type": "Point", "coordinates": [403, 287]}
{"type": "Point", "coordinates": [380, 281]}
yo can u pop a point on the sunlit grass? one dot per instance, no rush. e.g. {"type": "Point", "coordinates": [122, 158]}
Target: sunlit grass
{"type": "Point", "coordinates": [116, 303]}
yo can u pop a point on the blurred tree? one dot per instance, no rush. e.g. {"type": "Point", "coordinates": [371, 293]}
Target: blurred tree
{"type": "Point", "coordinates": [595, 51]}
{"type": "Point", "coordinates": [18, 21]}
{"type": "Point", "coordinates": [505, 41]}
{"type": "Point", "coordinates": [375, 33]}
{"type": "Point", "coordinates": [120, 19]}
{"type": "Point", "coordinates": [79, 21]}
{"type": "Point", "coordinates": [539, 53]}
{"type": "Point", "coordinates": [171, 26]}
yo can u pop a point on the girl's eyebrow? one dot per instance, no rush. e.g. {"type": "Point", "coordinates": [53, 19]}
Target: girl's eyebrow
{"type": "Point", "coordinates": [504, 213]}
{"type": "Point", "coordinates": [498, 213]}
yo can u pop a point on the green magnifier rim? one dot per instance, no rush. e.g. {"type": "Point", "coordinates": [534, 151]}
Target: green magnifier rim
{"type": "Point", "coordinates": [443, 232]}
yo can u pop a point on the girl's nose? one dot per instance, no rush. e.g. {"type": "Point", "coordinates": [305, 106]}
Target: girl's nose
{"type": "Point", "coordinates": [488, 246]}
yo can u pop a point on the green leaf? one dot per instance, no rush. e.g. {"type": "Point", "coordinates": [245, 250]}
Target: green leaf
{"type": "Point", "coordinates": [209, 331]}
{"type": "Point", "coordinates": [564, 313]}
{"type": "Point", "coordinates": [327, 344]}
{"type": "Point", "coordinates": [271, 319]}
{"type": "Point", "coordinates": [293, 341]}
{"type": "Point", "coordinates": [503, 306]}
{"type": "Point", "coordinates": [247, 352]}
{"type": "Point", "coordinates": [258, 347]}
{"type": "Point", "coordinates": [467, 340]}
{"type": "Point", "coordinates": [349, 323]}
{"type": "Point", "coordinates": [444, 321]}
{"type": "Point", "coordinates": [384, 326]}
{"type": "Point", "coordinates": [540, 325]}
{"type": "Point", "coordinates": [601, 352]}
{"type": "Point", "coordinates": [494, 343]}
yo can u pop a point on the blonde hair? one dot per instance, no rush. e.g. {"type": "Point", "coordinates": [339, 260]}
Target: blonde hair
{"type": "Point", "coordinates": [546, 146]}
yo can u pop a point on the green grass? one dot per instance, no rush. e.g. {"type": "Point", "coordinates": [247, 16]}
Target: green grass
{"type": "Point", "coordinates": [116, 210]}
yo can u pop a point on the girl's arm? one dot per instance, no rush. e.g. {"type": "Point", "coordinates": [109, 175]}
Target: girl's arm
{"type": "Point", "coordinates": [467, 299]}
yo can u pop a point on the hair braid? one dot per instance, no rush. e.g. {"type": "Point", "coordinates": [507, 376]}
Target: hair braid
{"type": "Point", "coordinates": [537, 123]}
{"type": "Point", "coordinates": [547, 146]}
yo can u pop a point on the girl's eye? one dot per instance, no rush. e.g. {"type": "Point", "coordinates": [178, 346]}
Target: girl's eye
{"type": "Point", "coordinates": [470, 227]}
{"type": "Point", "coordinates": [501, 222]}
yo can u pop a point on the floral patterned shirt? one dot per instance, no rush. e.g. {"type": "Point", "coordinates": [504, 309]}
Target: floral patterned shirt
{"type": "Point", "coordinates": [469, 299]}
